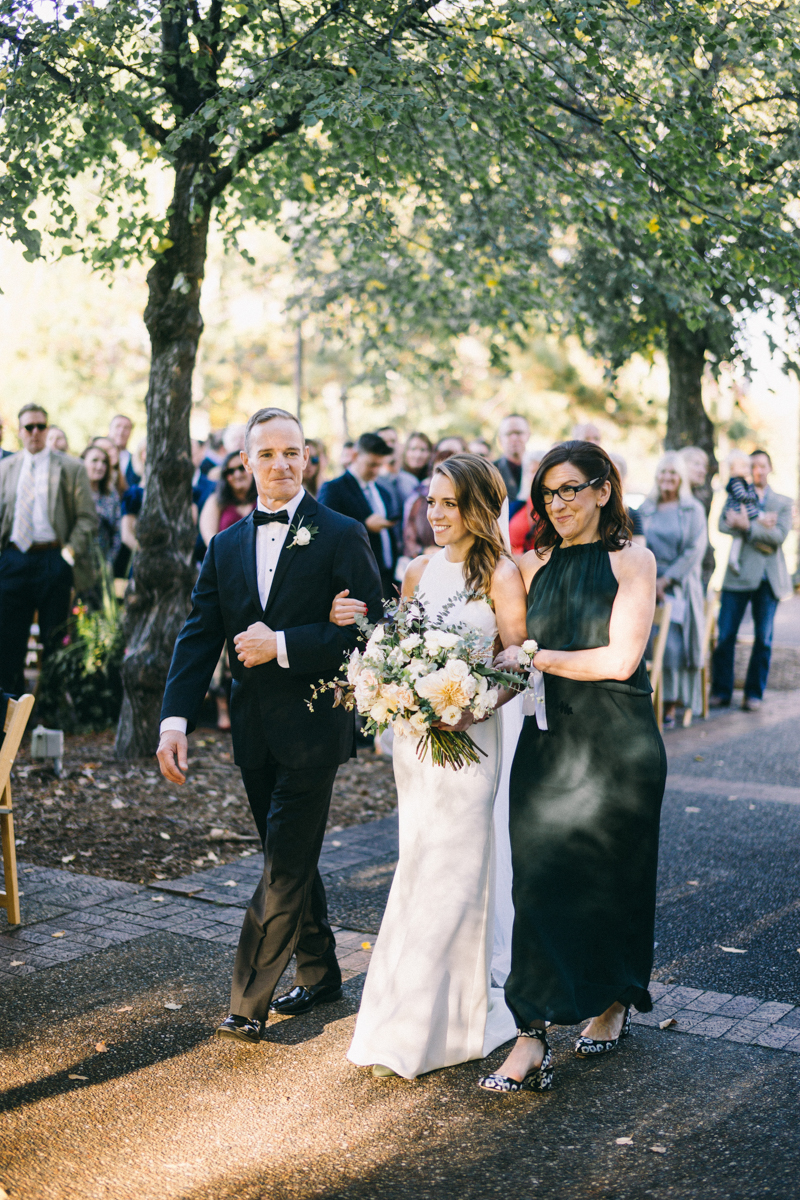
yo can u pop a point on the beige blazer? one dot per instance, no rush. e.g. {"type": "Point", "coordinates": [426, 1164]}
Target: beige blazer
{"type": "Point", "coordinates": [762, 551]}
{"type": "Point", "coordinates": [70, 509]}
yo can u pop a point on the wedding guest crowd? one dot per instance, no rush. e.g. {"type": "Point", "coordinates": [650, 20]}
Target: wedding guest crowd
{"type": "Point", "coordinates": [383, 482]}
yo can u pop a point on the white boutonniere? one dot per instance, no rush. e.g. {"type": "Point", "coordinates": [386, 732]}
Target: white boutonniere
{"type": "Point", "coordinates": [303, 534]}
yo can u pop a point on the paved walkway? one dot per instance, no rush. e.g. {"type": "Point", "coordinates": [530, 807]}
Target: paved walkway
{"type": "Point", "coordinates": [113, 1088]}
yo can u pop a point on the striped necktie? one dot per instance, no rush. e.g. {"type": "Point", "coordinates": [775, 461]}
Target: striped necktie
{"type": "Point", "coordinates": [22, 533]}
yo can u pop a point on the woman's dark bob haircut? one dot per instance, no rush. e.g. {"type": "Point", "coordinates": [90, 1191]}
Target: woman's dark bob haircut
{"type": "Point", "coordinates": [616, 527]}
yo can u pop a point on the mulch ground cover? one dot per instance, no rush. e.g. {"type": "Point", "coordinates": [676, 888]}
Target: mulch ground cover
{"type": "Point", "coordinates": [122, 820]}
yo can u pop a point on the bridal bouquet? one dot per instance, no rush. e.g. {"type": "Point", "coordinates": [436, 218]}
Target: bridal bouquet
{"type": "Point", "coordinates": [416, 673]}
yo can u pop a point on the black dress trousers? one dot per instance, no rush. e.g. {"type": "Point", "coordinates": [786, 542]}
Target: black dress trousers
{"type": "Point", "coordinates": [288, 913]}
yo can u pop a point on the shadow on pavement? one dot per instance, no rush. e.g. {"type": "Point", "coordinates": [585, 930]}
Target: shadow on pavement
{"type": "Point", "coordinates": [72, 1007]}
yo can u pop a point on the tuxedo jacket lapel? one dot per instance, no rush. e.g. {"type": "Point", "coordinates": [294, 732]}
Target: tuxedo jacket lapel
{"type": "Point", "coordinates": [306, 509]}
{"type": "Point", "coordinates": [247, 548]}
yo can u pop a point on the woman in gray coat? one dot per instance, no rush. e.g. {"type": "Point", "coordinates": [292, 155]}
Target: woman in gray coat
{"type": "Point", "coordinates": [676, 532]}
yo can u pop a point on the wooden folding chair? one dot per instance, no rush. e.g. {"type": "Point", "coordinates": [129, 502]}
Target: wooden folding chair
{"type": "Point", "coordinates": [711, 612]}
{"type": "Point", "coordinates": [661, 620]}
{"type": "Point", "coordinates": [17, 716]}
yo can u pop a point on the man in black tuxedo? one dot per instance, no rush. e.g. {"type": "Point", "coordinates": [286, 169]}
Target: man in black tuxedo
{"type": "Point", "coordinates": [360, 494]}
{"type": "Point", "coordinates": [266, 588]}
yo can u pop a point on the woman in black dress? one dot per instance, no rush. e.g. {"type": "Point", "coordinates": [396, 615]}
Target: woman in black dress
{"type": "Point", "coordinates": [588, 778]}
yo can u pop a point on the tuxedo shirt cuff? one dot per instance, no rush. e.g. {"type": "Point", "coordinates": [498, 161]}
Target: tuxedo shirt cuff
{"type": "Point", "coordinates": [174, 724]}
{"type": "Point", "coordinates": [283, 657]}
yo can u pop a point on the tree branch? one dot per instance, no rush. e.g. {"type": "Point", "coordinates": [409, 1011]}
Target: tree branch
{"type": "Point", "coordinates": [247, 153]}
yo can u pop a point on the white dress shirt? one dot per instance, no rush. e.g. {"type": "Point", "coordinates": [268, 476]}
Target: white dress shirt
{"type": "Point", "coordinates": [270, 540]}
{"type": "Point", "coordinates": [39, 464]}
{"type": "Point", "coordinates": [375, 501]}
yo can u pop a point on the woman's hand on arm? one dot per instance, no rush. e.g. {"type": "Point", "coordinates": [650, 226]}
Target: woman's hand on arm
{"type": "Point", "coordinates": [344, 610]}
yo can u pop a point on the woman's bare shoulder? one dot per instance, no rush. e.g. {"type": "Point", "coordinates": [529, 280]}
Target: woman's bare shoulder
{"type": "Point", "coordinates": [506, 571]}
{"type": "Point", "coordinates": [531, 563]}
{"type": "Point", "coordinates": [414, 573]}
{"type": "Point", "coordinates": [633, 559]}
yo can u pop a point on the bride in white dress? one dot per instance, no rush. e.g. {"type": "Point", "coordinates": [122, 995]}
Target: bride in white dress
{"type": "Point", "coordinates": [428, 999]}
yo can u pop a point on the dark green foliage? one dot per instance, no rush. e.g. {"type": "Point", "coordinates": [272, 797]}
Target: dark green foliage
{"type": "Point", "coordinates": [80, 689]}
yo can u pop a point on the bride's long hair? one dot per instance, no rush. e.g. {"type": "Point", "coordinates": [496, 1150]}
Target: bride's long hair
{"type": "Point", "coordinates": [480, 492]}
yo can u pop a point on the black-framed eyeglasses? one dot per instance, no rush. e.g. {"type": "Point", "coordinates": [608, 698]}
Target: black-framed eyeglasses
{"type": "Point", "coordinates": [235, 471]}
{"type": "Point", "coordinates": [567, 492]}
{"type": "Point", "coordinates": [30, 428]}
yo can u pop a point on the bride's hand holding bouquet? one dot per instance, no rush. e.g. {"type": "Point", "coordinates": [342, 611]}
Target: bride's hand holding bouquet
{"type": "Point", "coordinates": [421, 678]}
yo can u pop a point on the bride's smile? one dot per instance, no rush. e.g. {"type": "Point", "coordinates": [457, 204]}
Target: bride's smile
{"type": "Point", "coordinates": [446, 521]}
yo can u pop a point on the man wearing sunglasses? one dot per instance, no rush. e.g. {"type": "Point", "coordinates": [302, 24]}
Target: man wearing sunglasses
{"type": "Point", "coordinates": [46, 506]}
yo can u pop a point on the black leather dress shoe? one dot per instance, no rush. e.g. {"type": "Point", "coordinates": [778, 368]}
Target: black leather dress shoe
{"type": "Point", "coordinates": [243, 1029]}
{"type": "Point", "coordinates": [302, 999]}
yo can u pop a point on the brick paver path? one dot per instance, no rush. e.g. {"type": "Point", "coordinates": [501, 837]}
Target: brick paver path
{"type": "Point", "coordinates": [71, 916]}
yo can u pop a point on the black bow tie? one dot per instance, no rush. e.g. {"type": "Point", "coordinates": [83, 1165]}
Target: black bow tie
{"type": "Point", "coordinates": [266, 518]}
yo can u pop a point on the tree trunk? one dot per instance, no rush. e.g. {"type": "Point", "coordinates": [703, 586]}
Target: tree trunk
{"type": "Point", "coordinates": [163, 572]}
{"type": "Point", "coordinates": [688, 423]}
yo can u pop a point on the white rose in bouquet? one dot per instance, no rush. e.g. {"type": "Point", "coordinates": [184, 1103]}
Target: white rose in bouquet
{"type": "Point", "coordinates": [354, 667]}
{"type": "Point", "coordinates": [411, 642]}
{"type": "Point", "coordinates": [450, 715]}
{"type": "Point", "coordinates": [418, 723]}
{"type": "Point", "coordinates": [439, 639]}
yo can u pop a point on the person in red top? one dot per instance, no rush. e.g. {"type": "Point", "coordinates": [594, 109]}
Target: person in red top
{"type": "Point", "coordinates": [234, 499]}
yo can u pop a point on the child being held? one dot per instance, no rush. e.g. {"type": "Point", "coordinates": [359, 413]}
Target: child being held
{"type": "Point", "coordinates": [741, 493]}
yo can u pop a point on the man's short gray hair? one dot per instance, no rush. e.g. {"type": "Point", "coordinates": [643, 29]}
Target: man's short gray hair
{"type": "Point", "coordinates": [31, 407]}
{"type": "Point", "coordinates": [262, 415]}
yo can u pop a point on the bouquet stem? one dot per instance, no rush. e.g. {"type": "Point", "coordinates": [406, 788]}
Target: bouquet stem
{"type": "Point", "coordinates": [449, 749]}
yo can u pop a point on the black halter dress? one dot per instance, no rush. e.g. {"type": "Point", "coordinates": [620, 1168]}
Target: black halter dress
{"type": "Point", "coordinates": [585, 805]}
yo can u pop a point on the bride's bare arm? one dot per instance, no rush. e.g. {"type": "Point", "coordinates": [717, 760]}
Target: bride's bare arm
{"type": "Point", "coordinates": [510, 603]}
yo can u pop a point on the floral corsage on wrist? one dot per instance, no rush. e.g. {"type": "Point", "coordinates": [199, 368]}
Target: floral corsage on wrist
{"type": "Point", "coordinates": [527, 652]}
{"type": "Point", "coordinates": [303, 534]}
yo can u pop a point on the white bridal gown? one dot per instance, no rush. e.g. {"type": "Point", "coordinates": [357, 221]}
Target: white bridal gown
{"type": "Point", "coordinates": [428, 1000]}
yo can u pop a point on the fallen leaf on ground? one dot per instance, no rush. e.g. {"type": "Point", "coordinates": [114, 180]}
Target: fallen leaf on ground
{"type": "Point", "coordinates": [693, 882]}
{"type": "Point", "coordinates": [126, 1008]}
{"type": "Point", "coordinates": [659, 1149]}
{"type": "Point", "coordinates": [366, 945]}
{"type": "Point", "coordinates": [691, 808]}
{"type": "Point", "coordinates": [217, 833]}
{"type": "Point", "coordinates": [165, 836]}
{"type": "Point", "coordinates": [732, 950]}
{"type": "Point", "coordinates": [230, 883]}
{"type": "Point", "coordinates": [173, 1007]}
{"type": "Point", "coordinates": [100, 1047]}
{"type": "Point", "coordinates": [157, 876]}
{"type": "Point", "coordinates": [61, 934]}
{"type": "Point", "coordinates": [624, 1141]}
{"type": "Point", "coordinates": [84, 1077]}
{"type": "Point", "coordinates": [18, 962]}
{"type": "Point", "coordinates": [698, 757]}
{"type": "Point", "coordinates": [666, 1024]}
{"type": "Point", "coordinates": [65, 858]}
{"type": "Point", "coordinates": [117, 803]}
{"type": "Point", "coordinates": [157, 899]}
